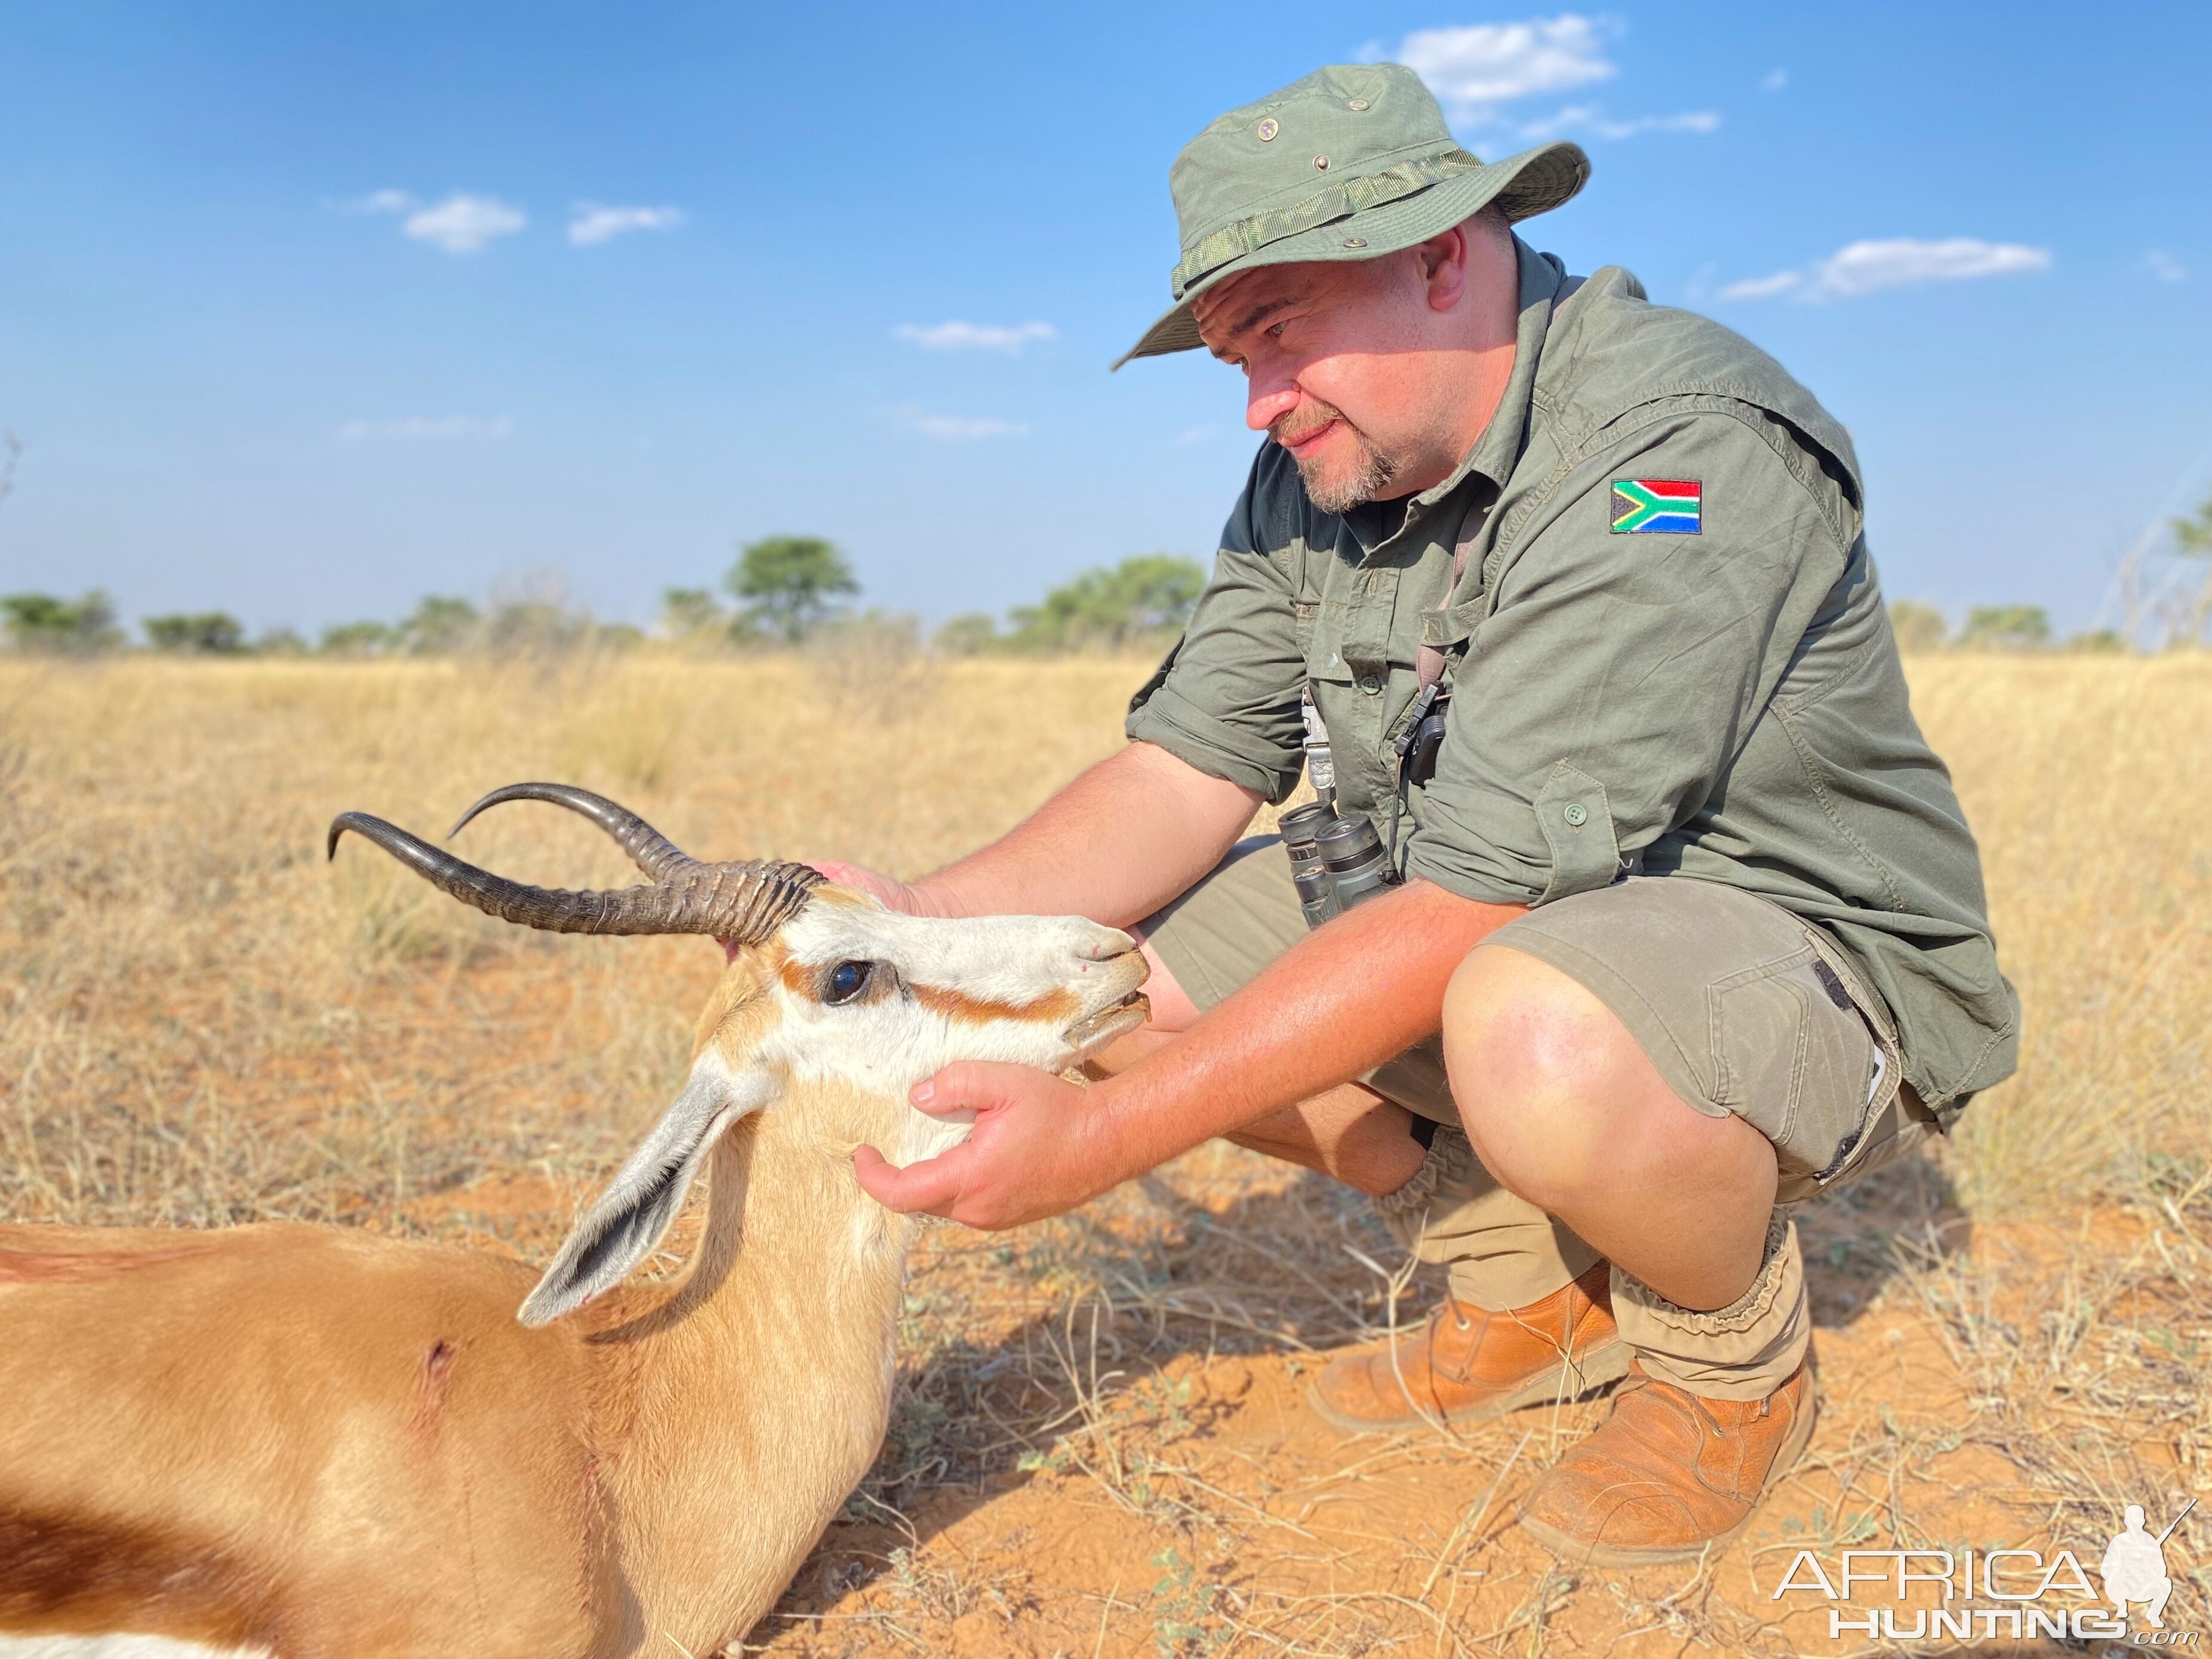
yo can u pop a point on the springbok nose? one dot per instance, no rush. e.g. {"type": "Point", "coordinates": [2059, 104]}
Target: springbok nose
{"type": "Point", "coordinates": [1105, 944]}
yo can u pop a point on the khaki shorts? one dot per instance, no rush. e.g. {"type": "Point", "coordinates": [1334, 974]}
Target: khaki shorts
{"type": "Point", "coordinates": [1743, 1008]}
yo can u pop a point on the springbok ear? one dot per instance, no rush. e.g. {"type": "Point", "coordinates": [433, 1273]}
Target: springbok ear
{"type": "Point", "coordinates": [647, 1194]}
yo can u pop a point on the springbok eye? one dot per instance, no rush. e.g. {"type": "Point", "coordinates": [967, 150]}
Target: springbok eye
{"type": "Point", "coordinates": [847, 980]}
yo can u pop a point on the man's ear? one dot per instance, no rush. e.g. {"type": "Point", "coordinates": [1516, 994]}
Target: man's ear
{"type": "Point", "coordinates": [647, 1194]}
{"type": "Point", "coordinates": [1441, 262]}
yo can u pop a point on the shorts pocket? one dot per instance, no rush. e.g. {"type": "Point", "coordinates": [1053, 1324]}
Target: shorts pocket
{"type": "Point", "coordinates": [1759, 1039]}
{"type": "Point", "coordinates": [1795, 1066]}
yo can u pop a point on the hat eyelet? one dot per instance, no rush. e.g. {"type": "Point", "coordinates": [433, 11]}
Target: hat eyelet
{"type": "Point", "coordinates": [1267, 129]}
{"type": "Point", "coordinates": [1321, 164]}
{"type": "Point", "coordinates": [1355, 242]}
{"type": "Point", "coordinates": [1355, 104]}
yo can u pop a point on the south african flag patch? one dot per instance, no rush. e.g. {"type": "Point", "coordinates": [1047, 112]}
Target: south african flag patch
{"type": "Point", "coordinates": [1657, 506]}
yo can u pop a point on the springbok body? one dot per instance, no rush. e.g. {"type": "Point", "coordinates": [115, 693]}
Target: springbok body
{"type": "Point", "coordinates": [297, 1440]}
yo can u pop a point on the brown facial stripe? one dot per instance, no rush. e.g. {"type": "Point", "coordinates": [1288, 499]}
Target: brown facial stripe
{"type": "Point", "coordinates": [86, 1577]}
{"type": "Point", "coordinates": [51, 1265]}
{"type": "Point", "coordinates": [1055, 1008]}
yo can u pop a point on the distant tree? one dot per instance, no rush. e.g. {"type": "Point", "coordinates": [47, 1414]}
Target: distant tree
{"type": "Point", "coordinates": [359, 639]}
{"type": "Point", "coordinates": [41, 622]}
{"type": "Point", "coordinates": [534, 627]}
{"type": "Point", "coordinates": [1918, 626]}
{"type": "Point", "coordinates": [2101, 642]}
{"type": "Point", "coordinates": [688, 613]}
{"type": "Point", "coordinates": [969, 636]}
{"type": "Point", "coordinates": [790, 584]}
{"type": "Point", "coordinates": [440, 625]}
{"type": "Point", "coordinates": [2006, 627]}
{"type": "Point", "coordinates": [2193, 539]}
{"type": "Point", "coordinates": [1137, 602]}
{"type": "Point", "coordinates": [2192, 536]}
{"type": "Point", "coordinates": [280, 642]}
{"type": "Point", "coordinates": [201, 633]}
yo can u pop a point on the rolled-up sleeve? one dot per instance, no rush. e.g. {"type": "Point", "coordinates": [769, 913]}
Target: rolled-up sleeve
{"type": "Point", "coordinates": [1227, 699]}
{"type": "Point", "coordinates": [1602, 699]}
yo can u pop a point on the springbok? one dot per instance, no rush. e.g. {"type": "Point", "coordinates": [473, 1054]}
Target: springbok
{"type": "Point", "coordinates": [300, 1441]}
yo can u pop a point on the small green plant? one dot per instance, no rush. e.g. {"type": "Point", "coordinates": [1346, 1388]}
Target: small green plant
{"type": "Point", "coordinates": [1183, 1604]}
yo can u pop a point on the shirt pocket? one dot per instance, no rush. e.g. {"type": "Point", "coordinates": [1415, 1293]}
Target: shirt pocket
{"type": "Point", "coordinates": [1322, 626]}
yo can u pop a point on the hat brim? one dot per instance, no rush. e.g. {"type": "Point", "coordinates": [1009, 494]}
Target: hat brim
{"type": "Point", "coordinates": [1535, 181]}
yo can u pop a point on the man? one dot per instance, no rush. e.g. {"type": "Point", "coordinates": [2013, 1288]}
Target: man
{"type": "Point", "coordinates": [2134, 1568]}
{"type": "Point", "coordinates": [1691, 925]}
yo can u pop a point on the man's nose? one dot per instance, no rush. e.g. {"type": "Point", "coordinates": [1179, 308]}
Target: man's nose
{"type": "Point", "coordinates": [1265, 403]}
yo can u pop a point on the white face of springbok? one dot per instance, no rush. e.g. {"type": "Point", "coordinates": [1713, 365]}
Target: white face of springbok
{"type": "Point", "coordinates": [850, 993]}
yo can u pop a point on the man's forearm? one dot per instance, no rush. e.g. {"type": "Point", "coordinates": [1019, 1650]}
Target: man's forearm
{"type": "Point", "coordinates": [1347, 997]}
{"type": "Point", "coordinates": [1120, 842]}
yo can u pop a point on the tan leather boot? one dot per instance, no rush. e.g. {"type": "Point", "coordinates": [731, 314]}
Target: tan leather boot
{"type": "Point", "coordinates": [1668, 1473]}
{"type": "Point", "coordinates": [1468, 1364]}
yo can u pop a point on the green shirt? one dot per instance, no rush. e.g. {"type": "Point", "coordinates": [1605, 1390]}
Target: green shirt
{"type": "Point", "coordinates": [1725, 702]}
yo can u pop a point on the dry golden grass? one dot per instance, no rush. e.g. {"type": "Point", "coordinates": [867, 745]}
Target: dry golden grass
{"type": "Point", "coordinates": [202, 1022]}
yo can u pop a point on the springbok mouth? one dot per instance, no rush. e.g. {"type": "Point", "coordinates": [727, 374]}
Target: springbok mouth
{"type": "Point", "coordinates": [1090, 1033]}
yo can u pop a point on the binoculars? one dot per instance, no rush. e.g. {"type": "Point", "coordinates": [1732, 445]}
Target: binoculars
{"type": "Point", "coordinates": [1335, 861]}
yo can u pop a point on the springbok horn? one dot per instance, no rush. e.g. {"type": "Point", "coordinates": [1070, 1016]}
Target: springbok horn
{"type": "Point", "coordinates": [738, 903]}
{"type": "Point", "coordinates": [648, 850]}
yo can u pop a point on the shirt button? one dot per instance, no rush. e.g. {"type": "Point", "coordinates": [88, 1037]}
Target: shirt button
{"type": "Point", "coordinates": [1370, 684]}
{"type": "Point", "coordinates": [1574, 814]}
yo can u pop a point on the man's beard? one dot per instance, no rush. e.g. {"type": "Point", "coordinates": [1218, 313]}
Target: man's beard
{"type": "Point", "coordinates": [1370, 469]}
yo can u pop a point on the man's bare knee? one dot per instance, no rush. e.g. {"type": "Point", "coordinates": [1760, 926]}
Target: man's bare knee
{"type": "Point", "coordinates": [1535, 1060]}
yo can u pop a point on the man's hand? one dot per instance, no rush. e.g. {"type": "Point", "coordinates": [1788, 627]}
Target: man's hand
{"type": "Point", "coordinates": [1368, 985]}
{"type": "Point", "coordinates": [1040, 1148]}
{"type": "Point", "coordinates": [895, 894]}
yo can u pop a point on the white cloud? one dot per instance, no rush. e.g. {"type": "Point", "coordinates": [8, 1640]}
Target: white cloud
{"type": "Point", "coordinates": [1195, 435]}
{"type": "Point", "coordinates": [1867, 267]}
{"type": "Point", "coordinates": [1477, 70]}
{"type": "Point", "coordinates": [975, 336]}
{"type": "Point", "coordinates": [2166, 267]}
{"type": "Point", "coordinates": [377, 201]}
{"type": "Point", "coordinates": [1764, 287]}
{"type": "Point", "coordinates": [1590, 117]}
{"type": "Point", "coordinates": [1774, 80]}
{"type": "Point", "coordinates": [1475, 67]}
{"type": "Point", "coordinates": [462, 223]}
{"type": "Point", "coordinates": [590, 223]}
{"type": "Point", "coordinates": [418, 429]}
{"type": "Point", "coordinates": [960, 428]}
{"type": "Point", "coordinates": [1904, 261]}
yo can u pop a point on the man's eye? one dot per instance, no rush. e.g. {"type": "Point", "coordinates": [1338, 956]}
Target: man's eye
{"type": "Point", "coordinates": [847, 980]}
{"type": "Point", "coordinates": [1276, 330]}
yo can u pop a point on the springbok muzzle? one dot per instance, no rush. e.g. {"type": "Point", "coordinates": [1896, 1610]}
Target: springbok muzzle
{"type": "Point", "coordinates": [742, 903]}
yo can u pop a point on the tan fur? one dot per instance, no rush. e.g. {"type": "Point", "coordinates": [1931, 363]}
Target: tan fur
{"type": "Point", "coordinates": [1060, 1005]}
{"type": "Point", "coordinates": [318, 1442]}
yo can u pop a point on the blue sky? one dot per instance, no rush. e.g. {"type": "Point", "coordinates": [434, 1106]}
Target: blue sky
{"type": "Point", "coordinates": [307, 310]}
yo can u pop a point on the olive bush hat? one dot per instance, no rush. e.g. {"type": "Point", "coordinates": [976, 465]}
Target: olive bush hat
{"type": "Point", "coordinates": [1352, 162]}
